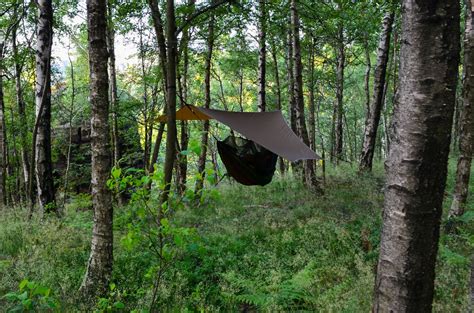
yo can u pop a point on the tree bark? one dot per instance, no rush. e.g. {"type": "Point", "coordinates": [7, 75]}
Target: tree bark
{"type": "Point", "coordinates": [113, 92]}
{"type": "Point", "coordinates": [207, 103]}
{"type": "Point", "coordinates": [417, 163]}
{"type": "Point", "coordinates": [44, 168]}
{"type": "Point", "coordinates": [312, 109]}
{"type": "Point", "coordinates": [3, 137]}
{"type": "Point", "coordinates": [99, 267]}
{"type": "Point", "coordinates": [69, 146]}
{"type": "Point", "coordinates": [373, 115]}
{"type": "Point", "coordinates": [308, 165]}
{"type": "Point", "coordinates": [262, 55]}
{"type": "Point", "coordinates": [171, 52]}
{"type": "Point", "coordinates": [160, 36]}
{"type": "Point", "coordinates": [367, 75]}
{"type": "Point", "coordinates": [339, 109]}
{"type": "Point", "coordinates": [146, 108]}
{"type": "Point", "coordinates": [291, 82]}
{"type": "Point", "coordinates": [281, 162]}
{"type": "Point", "coordinates": [183, 90]}
{"type": "Point", "coordinates": [466, 137]}
{"type": "Point", "coordinates": [25, 158]}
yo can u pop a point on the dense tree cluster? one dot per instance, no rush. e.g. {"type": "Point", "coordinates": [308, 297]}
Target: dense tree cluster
{"type": "Point", "coordinates": [358, 81]}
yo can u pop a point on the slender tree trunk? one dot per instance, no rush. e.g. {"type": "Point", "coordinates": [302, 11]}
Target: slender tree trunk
{"type": "Point", "coordinates": [466, 120]}
{"type": "Point", "coordinates": [311, 120]}
{"type": "Point", "coordinates": [113, 92]}
{"type": "Point", "coordinates": [44, 167]}
{"type": "Point", "coordinates": [23, 124]}
{"type": "Point", "coordinates": [339, 109]}
{"type": "Point", "coordinates": [3, 138]}
{"type": "Point", "coordinates": [308, 165]}
{"type": "Point", "coordinates": [281, 162]}
{"type": "Point", "coordinates": [99, 267]}
{"type": "Point", "coordinates": [172, 45]}
{"type": "Point", "coordinates": [160, 36]}
{"type": "Point", "coordinates": [262, 55]}
{"type": "Point", "coordinates": [146, 108]}
{"type": "Point", "coordinates": [291, 82]}
{"type": "Point", "coordinates": [367, 75]}
{"type": "Point", "coordinates": [373, 116]}
{"type": "Point", "coordinates": [183, 90]}
{"type": "Point", "coordinates": [207, 103]}
{"type": "Point", "coordinates": [69, 146]}
{"type": "Point", "coordinates": [417, 163]}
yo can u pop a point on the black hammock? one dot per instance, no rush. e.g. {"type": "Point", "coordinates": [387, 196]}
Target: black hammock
{"type": "Point", "coordinates": [246, 161]}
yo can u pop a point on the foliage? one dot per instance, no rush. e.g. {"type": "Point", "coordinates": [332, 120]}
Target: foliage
{"type": "Point", "coordinates": [31, 297]}
{"type": "Point", "coordinates": [272, 248]}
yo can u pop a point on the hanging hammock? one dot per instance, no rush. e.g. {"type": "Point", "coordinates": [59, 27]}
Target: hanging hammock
{"type": "Point", "coordinates": [252, 161]}
{"type": "Point", "coordinates": [246, 161]}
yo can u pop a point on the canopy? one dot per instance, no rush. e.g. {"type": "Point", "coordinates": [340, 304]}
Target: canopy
{"type": "Point", "coordinates": [268, 129]}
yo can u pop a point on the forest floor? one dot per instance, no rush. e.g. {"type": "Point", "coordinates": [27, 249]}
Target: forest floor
{"type": "Point", "coordinates": [272, 248]}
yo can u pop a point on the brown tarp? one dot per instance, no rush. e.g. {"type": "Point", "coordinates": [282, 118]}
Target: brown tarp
{"type": "Point", "coordinates": [268, 129]}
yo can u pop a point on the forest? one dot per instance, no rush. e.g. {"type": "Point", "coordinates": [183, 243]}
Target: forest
{"type": "Point", "coordinates": [236, 156]}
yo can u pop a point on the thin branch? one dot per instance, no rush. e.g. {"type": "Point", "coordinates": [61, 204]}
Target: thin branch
{"type": "Point", "coordinates": [200, 12]}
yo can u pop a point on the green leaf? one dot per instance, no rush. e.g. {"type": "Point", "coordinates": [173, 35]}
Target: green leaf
{"type": "Point", "coordinates": [42, 291]}
{"type": "Point", "coordinates": [119, 305]}
{"type": "Point", "coordinates": [116, 172]}
{"type": "Point", "coordinates": [23, 283]}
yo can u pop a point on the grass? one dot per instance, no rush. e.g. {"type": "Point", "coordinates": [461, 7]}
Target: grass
{"type": "Point", "coordinates": [272, 248]}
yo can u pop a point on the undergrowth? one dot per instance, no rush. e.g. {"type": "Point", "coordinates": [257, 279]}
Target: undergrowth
{"type": "Point", "coordinates": [272, 248]}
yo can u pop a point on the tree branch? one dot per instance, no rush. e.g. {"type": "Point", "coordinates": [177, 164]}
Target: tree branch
{"type": "Point", "coordinates": [198, 13]}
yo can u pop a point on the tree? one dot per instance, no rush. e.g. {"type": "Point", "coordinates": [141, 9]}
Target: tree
{"type": "Point", "coordinates": [417, 163]}
{"type": "Point", "coordinates": [3, 131]}
{"type": "Point", "coordinates": [99, 267]}
{"type": "Point", "coordinates": [207, 103]}
{"type": "Point", "coordinates": [25, 158]}
{"type": "Point", "coordinates": [374, 112]}
{"type": "Point", "coordinates": [466, 119]}
{"type": "Point", "coordinates": [262, 55]}
{"type": "Point", "coordinates": [44, 167]}
{"type": "Point", "coordinates": [113, 82]}
{"type": "Point", "coordinates": [171, 52]}
{"type": "Point", "coordinates": [308, 165]}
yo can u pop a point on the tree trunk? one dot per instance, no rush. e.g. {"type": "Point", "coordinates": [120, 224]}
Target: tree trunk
{"type": "Point", "coordinates": [339, 109]}
{"type": "Point", "coordinates": [99, 267]}
{"type": "Point", "coordinates": [373, 116]}
{"type": "Point", "coordinates": [291, 83]}
{"type": "Point", "coordinates": [281, 162]}
{"type": "Point", "coordinates": [262, 55]}
{"type": "Point", "coordinates": [466, 120]}
{"type": "Point", "coordinates": [367, 75]}
{"type": "Point", "coordinates": [25, 158]}
{"type": "Point", "coordinates": [183, 90]}
{"type": "Point", "coordinates": [3, 137]}
{"type": "Point", "coordinates": [146, 108]}
{"type": "Point", "coordinates": [171, 99]}
{"type": "Point", "coordinates": [44, 167]}
{"type": "Point", "coordinates": [69, 146]}
{"type": "Point", "coordinates": [312, 110]}
{"type": "Point", "coordinates": [417, 163]}
{"type": "Point", "coordinates": [308, 165]}
{"type": "Point", "coordinates": [207, 103]}
{"type": "Point", "coordinates": [113, 92]}
{"type": "Point", "coordinates": [159, 31]}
